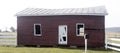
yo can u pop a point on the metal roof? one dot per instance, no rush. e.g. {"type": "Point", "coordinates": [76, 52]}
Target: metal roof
{"type": "Point", "coordinates": [99, 11]}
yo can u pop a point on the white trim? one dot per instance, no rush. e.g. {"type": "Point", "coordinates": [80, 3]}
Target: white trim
{"type": "Point", "coordinates": [77, 29]}
{"type": "Point", "coordinates": [35, 30]}
{"type": "Point", "coordinates": [66, 35]}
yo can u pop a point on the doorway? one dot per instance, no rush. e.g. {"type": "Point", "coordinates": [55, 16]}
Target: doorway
{"type": "Point", "coordinates": [62, 30]}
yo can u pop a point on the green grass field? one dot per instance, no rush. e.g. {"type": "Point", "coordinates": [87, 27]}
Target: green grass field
{"type": "Point", "coordinates": [112, 34]}
{"type": "Point", "coordinates": [51, 50]}
{"type": "Point", "coordinates": [8, 33]}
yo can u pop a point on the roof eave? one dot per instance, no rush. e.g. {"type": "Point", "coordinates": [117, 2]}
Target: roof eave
{"type": "Point", "coordinates": [93, 14]}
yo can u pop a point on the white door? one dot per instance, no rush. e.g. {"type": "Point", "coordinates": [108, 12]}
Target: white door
{"type": "Point", "coordinates": [62, 34]}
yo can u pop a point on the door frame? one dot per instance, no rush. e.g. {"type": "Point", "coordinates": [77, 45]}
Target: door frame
{"type": "Point", "coordinates": [64, 43]}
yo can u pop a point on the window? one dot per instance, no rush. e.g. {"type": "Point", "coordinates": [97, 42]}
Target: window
{"type": "Point", "coordinates": [80, 29]}
{"type": "Point", "coordinates": [37, 29]}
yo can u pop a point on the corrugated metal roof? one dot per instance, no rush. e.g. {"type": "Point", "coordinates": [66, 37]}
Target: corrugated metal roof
{"type": "Point", "coordinates": [99, 11]}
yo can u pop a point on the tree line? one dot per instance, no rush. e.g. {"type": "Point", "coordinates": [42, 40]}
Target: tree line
{"type": "Point", "coordinates": [11, 29]}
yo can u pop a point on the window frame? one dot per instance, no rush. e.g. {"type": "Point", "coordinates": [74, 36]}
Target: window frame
{"type": "Point", "coordinates": [35, 30]}
{"type": "Point", "coordinates": [77, 28]}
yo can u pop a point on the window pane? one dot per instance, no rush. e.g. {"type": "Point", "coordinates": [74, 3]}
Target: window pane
{"type": "Point", "coordinates": [80, 29]}
{"type": "Point", "coordinates": [80, 26]}
{"type": "Point", "coordinates": [37, 29]}
{"type": "Point", "coordinates": [64, 38]}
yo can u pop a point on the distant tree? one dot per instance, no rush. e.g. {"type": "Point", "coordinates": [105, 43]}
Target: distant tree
{"type": "Point", "coordinates": [12, 29]}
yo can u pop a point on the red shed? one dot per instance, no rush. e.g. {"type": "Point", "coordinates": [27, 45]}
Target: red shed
{"type": "Point", "coordinates": [53, 27]}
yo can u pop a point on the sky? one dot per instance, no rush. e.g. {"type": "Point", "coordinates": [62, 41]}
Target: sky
{"type": "Point", "coordinates": [8, 9]}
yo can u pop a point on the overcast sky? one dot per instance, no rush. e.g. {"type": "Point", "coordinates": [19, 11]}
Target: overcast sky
{"type": "Point", "coordinates": [8, 8]}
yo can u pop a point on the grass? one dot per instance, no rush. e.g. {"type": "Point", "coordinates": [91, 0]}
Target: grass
{"type": "Point", "coordinates": [111, 41]}
{"type": "Point", "coordinates": [112, 34]}
{"type": "Point", "coordinates": [8, 33]}
{"type": "Point", "coordinates": [51, 50]}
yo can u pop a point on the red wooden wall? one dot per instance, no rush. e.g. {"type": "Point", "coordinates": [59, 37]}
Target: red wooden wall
{"type": "Point", "coordinates": [94, 26]}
